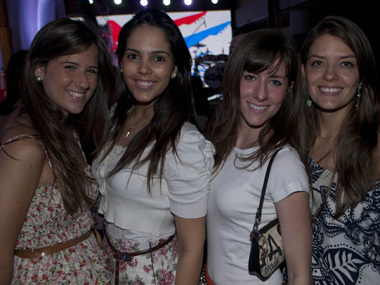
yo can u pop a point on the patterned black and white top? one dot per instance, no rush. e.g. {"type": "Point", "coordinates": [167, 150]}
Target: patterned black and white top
{"type": "Point", "coordinates": [345, 250]}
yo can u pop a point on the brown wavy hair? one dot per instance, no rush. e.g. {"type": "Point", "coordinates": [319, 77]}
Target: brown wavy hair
{"type": "Point", "coordinates": [357, 165]}
{"type": "Point", "coordinates": [257, 52]}
{"type": "Point", "coordinates": [58, 38]}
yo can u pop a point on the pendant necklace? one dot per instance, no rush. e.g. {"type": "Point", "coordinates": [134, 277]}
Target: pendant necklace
{"type": "Point", "coordinates": [129, 131]}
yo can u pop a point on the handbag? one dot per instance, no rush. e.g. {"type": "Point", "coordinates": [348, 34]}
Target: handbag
{"type": "Point", "coordinates": [266, 243]}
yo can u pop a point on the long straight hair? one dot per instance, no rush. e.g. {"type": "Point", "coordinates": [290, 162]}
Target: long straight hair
{"type": "Point", "coordinates": [357, 165]}
{"type": "Point", "coordinates": [59, 38]}
{"type": "Point", "coordinates": [171, 109]}
{"type": "Point", "coordinates": [255, 53]}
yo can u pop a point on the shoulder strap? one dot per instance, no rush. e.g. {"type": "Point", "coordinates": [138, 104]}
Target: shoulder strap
{"type": "Point", "coordinates": [258, 213]}
{"type": "Point", "coordinates": [19, 137]}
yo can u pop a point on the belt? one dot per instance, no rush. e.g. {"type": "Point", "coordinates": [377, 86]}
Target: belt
{"type": "Point", "coordinates": [49, 250]}
{"type": "Point", "coordinates": [127, 256]}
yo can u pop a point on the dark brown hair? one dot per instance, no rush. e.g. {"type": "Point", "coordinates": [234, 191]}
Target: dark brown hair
{"type": "Point", "coordinates": [58, 38]}
{"type": "Point", "coordinates": [257, 52]}
{"type": "Point", "coordinates": [357, 164]}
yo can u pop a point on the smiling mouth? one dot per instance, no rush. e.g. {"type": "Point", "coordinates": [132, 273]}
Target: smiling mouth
{"type": "Point", "coordinates": [330, 90]}
{"type": "Point", "coordinates": [76, 94]}
{"type": "Point", "coordinates": [258, 108]}
{"type": "Point", "coordinates": [144, 83]}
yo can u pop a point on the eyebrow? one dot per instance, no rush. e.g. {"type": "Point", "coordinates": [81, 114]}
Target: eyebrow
{"type": "Point", "coordinates": [343, 57]}
{"type": "Point", "coordinates": [77, 64]}
{"type": "Point", "coordinates": [154, 52]}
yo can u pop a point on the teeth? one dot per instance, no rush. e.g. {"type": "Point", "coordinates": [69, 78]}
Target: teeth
{"type": "Point", "coordinates": [144, 83]}
{"type": "Point", "coordinates": [259, 108]}
{"type": "Point", "coordinates": [330, 90]}
{"type": "Point", "coordinates": [77, 95]}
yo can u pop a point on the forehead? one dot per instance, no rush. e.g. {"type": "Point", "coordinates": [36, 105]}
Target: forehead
{"type": "Point", "coordinates": [87, 57]}
{"type": "Point", "coordinates": [331, 45]}
{"type": "Point", "coordinates": [148, 36]}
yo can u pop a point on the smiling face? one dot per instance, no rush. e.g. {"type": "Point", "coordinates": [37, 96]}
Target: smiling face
{"type": "Point", "coordinates": [70, 80]}
{"type": "Point", "coordinates": [261, 96]}
{"type": "Point", "coordinates": [332, 74]}
{"type": "Point", "coordinates": [147, 64]}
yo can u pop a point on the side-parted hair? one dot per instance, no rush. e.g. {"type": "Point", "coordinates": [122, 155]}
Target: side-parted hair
{"type": "Point", "coordinates": [357, 165]}
{"type": "Point", "coordinates": [171, 109]}
{"type": "Point", "coordinates": [257, 52]}
{"type": "Point", "coordinates": [59, 38]}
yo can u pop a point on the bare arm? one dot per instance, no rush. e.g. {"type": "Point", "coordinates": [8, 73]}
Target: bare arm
{"type": "Point", "coordinates": [295, 221]}
{"type": "Point", "coordinates": [19, 177]}
{"type": "Point", "coordinates": [191, 237]}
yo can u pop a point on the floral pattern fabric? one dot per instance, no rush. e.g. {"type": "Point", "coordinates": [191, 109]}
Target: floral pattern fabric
{"type": "Point", "coordinates": [345, 250]}
{"type": "Point", "coordinates": [156, 268]}
{"type": "Point", "coordinates": [46, 224]}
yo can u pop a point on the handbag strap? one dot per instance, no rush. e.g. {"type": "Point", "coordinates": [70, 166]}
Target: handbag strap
{"type": "Point", "coordinates": [258, 213]}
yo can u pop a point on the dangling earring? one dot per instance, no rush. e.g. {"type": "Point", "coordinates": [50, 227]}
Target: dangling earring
{"type": "Point", "coordinates": [308, 101]}
{"type": "Point", "coordinates": [38, 79]}
{"type": "Point", "coordinates": [358, 96]}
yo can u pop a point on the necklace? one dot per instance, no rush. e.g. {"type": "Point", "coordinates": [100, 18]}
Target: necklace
{"type": "Point", "coordinates": [129, 131]}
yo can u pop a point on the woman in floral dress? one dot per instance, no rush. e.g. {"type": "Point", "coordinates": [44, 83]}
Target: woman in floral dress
{"type": "Point", "coordinates": [154, 171]}
{"type": "Point", "coordinates": [46, 188]}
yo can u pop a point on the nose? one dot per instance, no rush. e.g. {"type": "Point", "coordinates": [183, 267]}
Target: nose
{"type": "Point", "coordinates": [144, 67]}
{"type": "Point", "coordinates": [81, 80]}
{"type": "Point", "coordinates": [261, 92]}
{"type": "Point", "coordinates": [330, 73]}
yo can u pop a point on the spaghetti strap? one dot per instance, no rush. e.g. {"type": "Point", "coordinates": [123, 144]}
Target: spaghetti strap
{"type": "Point", "coordinates": [20, 137]}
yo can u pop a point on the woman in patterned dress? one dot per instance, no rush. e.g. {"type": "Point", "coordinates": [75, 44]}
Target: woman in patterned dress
{"type": "Point", "coordinates": [155, 170]}
{"type": "Point", "coordinates": [46, 187]}
{"type": "Point", "coordinates": [339, 123]}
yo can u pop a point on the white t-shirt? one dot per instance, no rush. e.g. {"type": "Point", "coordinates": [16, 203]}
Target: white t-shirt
{"type": "Point", "coordinates": [132, 213]}
{"type": "Point", "coordinates": [234, 198]}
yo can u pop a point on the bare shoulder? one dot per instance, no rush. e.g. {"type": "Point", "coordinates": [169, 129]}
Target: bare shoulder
{"type": "Point", "coordinates": [18, 141]}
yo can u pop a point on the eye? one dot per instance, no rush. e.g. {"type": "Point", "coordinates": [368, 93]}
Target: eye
{"type": "Point", "coordinates": [249, 77]}
{"type": "Point", "coordinates": [93, 71]}
{"type": "Point", "coordinates": [316, 63]}
{"type": "Point", "coordinates": [276, 82]}
{"type": "Point", "coordinates": [132, 56]}
{"type": "Point", "coordinates": [70, 67]}
{"type": "Point", "coordinates": [347, 64]}
{"type": "Point", "coordinates": [159, 58]}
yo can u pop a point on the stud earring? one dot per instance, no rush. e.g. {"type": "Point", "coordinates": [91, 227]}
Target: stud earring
{"type": "Point", "coordinates": [38, 79]}
{"type": "Point", "coordinates": [308, 101]}
{"type": "Point", "coordinates": [358, 96]}
{"type": "Point", "coordinates": [121, 70]}
{"type": "Point", "coordinates": [174, 75]}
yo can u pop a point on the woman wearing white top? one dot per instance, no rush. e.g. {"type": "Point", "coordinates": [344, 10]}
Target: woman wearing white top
{"type": "Point", "coordinates": [258, 116]}
{"type": "Point", "coordinates": [155, 168]}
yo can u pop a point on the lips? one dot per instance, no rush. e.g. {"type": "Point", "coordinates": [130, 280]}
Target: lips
{"type": "Point", "coordinates": [330, 90]}
{"type": "Point", "coordinates": [257, 108]}
{"type": "Point", "coordinates": [76, 94]}
{"type": "Point", "coordinates": [144, 84]}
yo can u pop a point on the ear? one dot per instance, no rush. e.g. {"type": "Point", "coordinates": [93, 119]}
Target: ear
{"type": "Point", "coordinates": [174, 73]}
{"type": "Point", "coordinates": [39, 72]}
{"type": "Point", "coordinates": [303, 69]}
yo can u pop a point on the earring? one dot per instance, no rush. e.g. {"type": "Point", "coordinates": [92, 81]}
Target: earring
{"type": "Point", "coordinates": [174, 75]}
{"type": "Point", "coordinates": [358, 96]}
{"type": "Point", "coordinates": [38, 79]}
{"type": "Point", "coordinates": [308, 101]}
{"type": "Point", "coordinates": [121, 70]}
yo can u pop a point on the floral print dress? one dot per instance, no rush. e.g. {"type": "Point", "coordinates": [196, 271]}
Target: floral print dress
{"type": "Point", "coordinates": [47, 224]}
{"type": "Point", "coordinates": [346, 250]}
